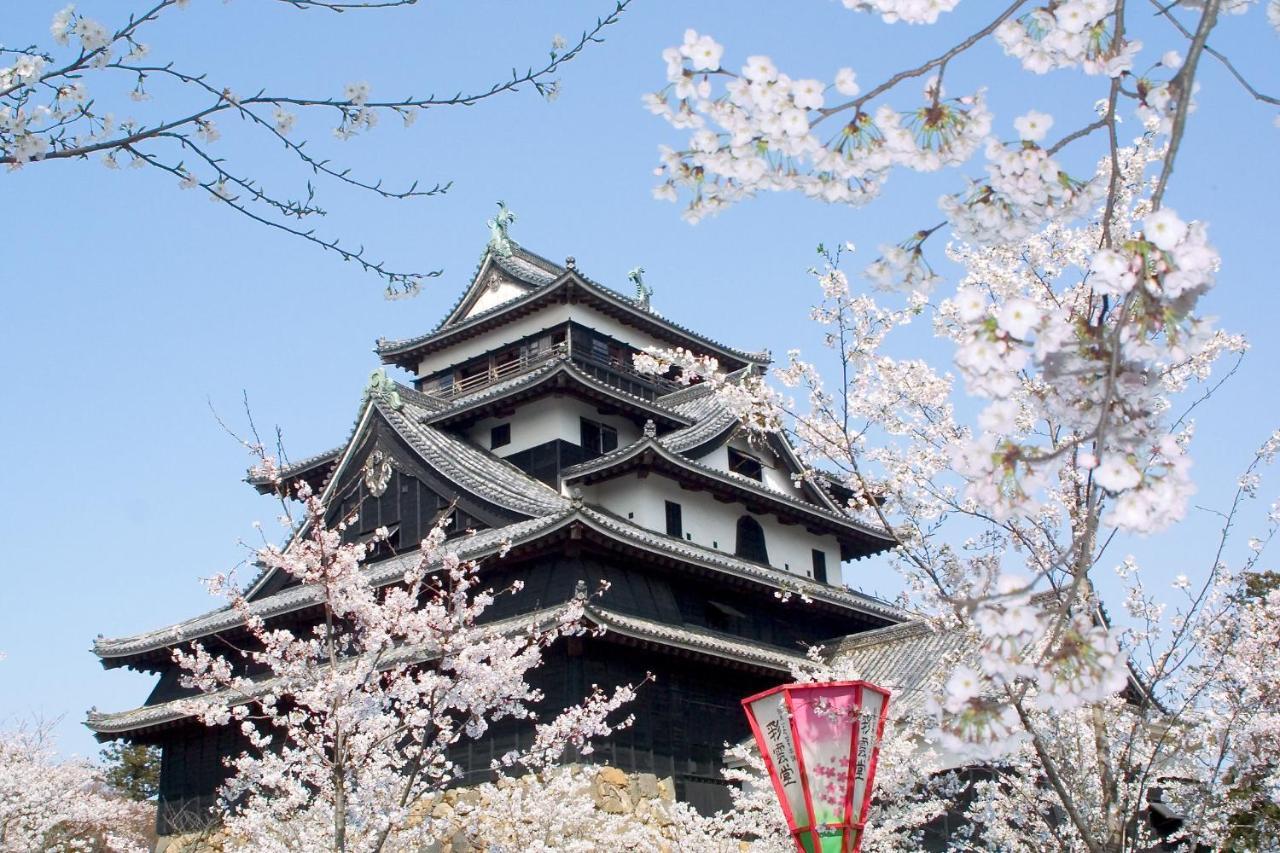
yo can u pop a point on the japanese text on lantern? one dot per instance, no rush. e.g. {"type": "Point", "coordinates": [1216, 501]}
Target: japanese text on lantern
{"type": "Point", "coordinates": [866, 729]}
{"type": "Point", "coordinates": [779, 748]}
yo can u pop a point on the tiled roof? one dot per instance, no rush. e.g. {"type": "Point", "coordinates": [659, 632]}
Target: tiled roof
{"type": "Point", "coordinates": [298, 597]}
{"type": "Point", "coordinates": [176, 709]}
{"type": "Point", "coordinates": [911, 660]}
{"type": "Point", "coordinates": [476, 471]}
{"type": "Point", "coordinates": [777, 578]}
{"type": "Point", "coordinates": [691, 639]}
{"type": "Point", "coordinates": [529, 271]}
{"type": "Point", "coordinates": [256, 477]}
{"type": "Point", "coordinates": [484, 543]}
{"type": "Point", "coordinates": [697, 639]}
{"type": "Point", "coordinates": [525, 266]}
{"type": "Point", "coordinates": [608, 460]}
{"type": "Point", "coordinates": [710, 421]}
{"type": "Point", "coordinates": [529, 267]}
{"type": "Point", "coordinates": [700, 404]}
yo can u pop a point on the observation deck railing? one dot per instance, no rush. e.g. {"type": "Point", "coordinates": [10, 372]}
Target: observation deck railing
{"type": "Point", "coordinates": [612, 371]}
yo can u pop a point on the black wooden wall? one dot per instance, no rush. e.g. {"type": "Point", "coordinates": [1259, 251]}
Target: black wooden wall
{"type": "Point", "coordinates": [684, 718]}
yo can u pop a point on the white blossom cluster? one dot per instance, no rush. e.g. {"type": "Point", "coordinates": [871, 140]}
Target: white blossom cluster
{"type": "Point", "coordinates": [62, 806]}
{"type": "Point", "coordinates": [1025, 187]}
{"type": "Point", "coordinates": [768, 131]}
{"type": "Point", "coordinates": [1076, 33]}
{"type": "Point", "coordinates": [1077, 354]}
{"type": "Point", "coordinates": [349, 723]}
{"type": "Point", "coordinates": [908, 11]}
{"type": "Point", "coordinates": [30, 129]}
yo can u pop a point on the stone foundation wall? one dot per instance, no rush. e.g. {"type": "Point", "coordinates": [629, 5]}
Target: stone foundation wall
{"type": "Point", "coordinates": [641, 798]}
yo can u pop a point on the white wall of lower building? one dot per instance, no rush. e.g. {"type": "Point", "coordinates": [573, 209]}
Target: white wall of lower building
{"type": "Point", "coordinates": [712, 524]}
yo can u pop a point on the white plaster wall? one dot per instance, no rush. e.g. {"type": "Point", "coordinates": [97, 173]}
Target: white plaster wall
{"type": "Point", "coordinates": [545, 318]}
{"type": "Point", "coordinates": [524, 327]}
{"type": "Point", "coordinates": [776, 475]}
{"type": "Point", "coordinates": [505, 291]}
{"type": "Point", "coordinates": [547, 419]}
{"type": "Point", "coordinates": [711, 523]}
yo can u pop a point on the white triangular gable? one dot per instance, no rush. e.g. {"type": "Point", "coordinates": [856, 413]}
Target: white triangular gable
{"type": "Point", "coordinates": [496, 288]}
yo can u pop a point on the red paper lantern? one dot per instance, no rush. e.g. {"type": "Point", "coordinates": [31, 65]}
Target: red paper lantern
{"type": "Point", "coordinates": [820, 743]}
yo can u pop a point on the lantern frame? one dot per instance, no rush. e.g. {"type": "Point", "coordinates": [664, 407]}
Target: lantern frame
{"type": "Point", "coordinates": [810, 838]}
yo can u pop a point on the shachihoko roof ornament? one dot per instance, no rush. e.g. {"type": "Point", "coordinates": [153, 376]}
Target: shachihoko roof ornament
{"type": "Point", "coordinates": [499, 237]}
{"type": "Point", "coordinates": [644, 293]}
{"type": "Point", "coordinates": [383, 387]}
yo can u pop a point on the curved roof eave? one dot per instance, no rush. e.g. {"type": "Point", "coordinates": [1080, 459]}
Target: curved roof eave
{"type": "Point", "coordinates": [119, 651]}
{"type": "Point", "coordinates": [111, 725]}
{"type": "Point", "coordinates": [539, 376]}
{"type": "Point", "coordinates": [392, 352]}
{"type": "Point", "coordinates": [615, 460]}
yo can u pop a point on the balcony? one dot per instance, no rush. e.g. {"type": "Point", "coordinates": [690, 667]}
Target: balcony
{"type": "Point", "coordinates": [611, 370]}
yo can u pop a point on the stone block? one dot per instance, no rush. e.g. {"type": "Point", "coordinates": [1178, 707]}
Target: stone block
{"type": "Point", "coordinates": [647, 785]}
{"type": "Point", "coordinates": [612, 776]}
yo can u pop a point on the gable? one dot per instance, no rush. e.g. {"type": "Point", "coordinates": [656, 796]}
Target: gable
{"type": "Point", "coordinates": [384, 476]}
{"type": "Point", "coordinates": [775, 470]}
{"type": "Point", "coordinates": [500, 279]}
{"type": "Point", "coordinates": [495, 290]}
{"type": "Point", "coordinates": [384, 483]}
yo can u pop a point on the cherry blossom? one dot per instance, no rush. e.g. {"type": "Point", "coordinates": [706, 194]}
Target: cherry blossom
{"type": "Point", "coordinates": [1078, 336]}
{"type": "Point", "coordinates": [349, 722]}
{"type": "Point", "coordinates": [64, 102]}
{"type": "Point", "coordinates": [62, 805]}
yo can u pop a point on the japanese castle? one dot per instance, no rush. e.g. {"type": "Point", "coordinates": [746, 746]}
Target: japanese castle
{"type": "Point", "coordinates": [522, 406]}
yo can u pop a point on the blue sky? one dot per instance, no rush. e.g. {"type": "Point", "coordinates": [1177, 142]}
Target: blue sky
{"type": "Point", "coordinates": [131, 307]}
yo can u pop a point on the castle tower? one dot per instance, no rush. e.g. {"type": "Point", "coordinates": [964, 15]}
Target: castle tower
{"type": "Point", "coordinates": [523, 407]}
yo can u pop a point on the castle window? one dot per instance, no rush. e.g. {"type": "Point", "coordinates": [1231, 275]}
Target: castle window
{"type": "Point", "coordinates": [723, 617]}
{"type": "Point", "coordinates": [745, 464]}
{"type": "Point", "coordinates": [500, 436]}
{"type": "Point", "coordinates": [675, 521]}
{"type": "Point", "coordinates": [750, 544]}
{"type": "Point", "coordinates": [597, 438]}
{"type": "Point", "coordinates": [819, 566]}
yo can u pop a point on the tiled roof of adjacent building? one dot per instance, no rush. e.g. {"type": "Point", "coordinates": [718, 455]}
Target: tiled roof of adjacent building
{"type": "Point", "coordinates": [911, 659]}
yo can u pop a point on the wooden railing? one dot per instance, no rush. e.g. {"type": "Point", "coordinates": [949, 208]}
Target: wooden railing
{"type": "Point", "coordinates": [497, 373]}
{"type": "Point", "coordinates": [611, 371]}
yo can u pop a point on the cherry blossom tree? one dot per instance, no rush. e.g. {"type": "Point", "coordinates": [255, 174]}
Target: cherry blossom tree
{"type": "Point", "coordinates": [62, 805]}
{"type": "Point", "coordinates": [98, 90]}
{"type": "Point", "coordinates": [349, 723]}
{"type": "Point", "coordinates": [1080, 356]}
